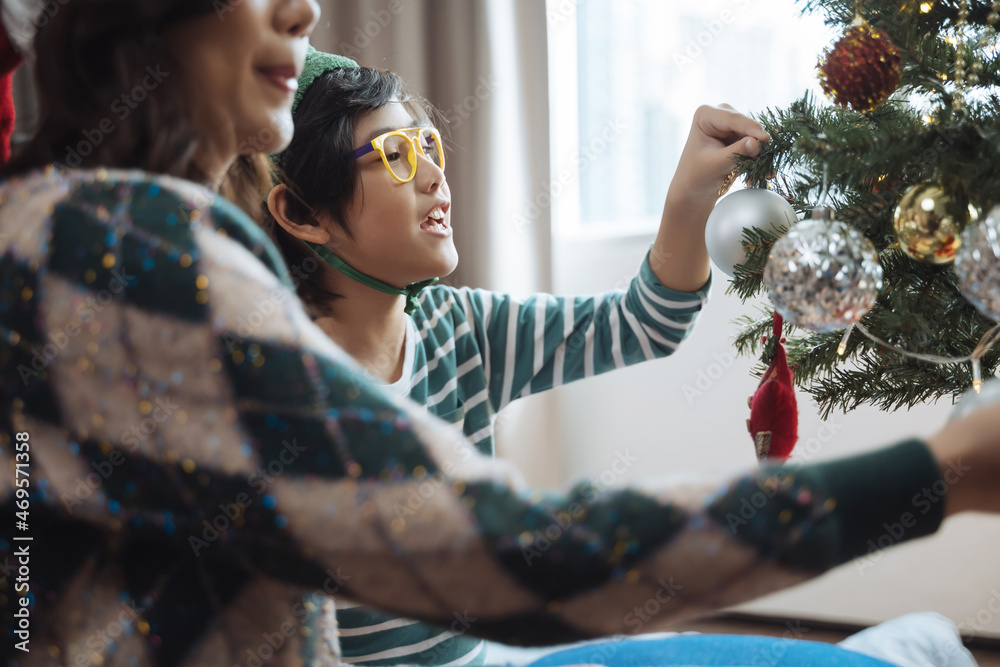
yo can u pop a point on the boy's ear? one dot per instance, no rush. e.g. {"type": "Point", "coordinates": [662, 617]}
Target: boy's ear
{"type": "Point", "coordinates": [277, 204]}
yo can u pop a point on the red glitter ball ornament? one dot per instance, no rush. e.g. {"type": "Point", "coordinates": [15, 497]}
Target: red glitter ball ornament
{"type": "Point", "coordinates": [862, 69]}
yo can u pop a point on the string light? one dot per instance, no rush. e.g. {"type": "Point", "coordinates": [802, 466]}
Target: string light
{"type": "Point", "coordinates": [987, 342]}
{"type": "Point", "coordinates": [843, 341]}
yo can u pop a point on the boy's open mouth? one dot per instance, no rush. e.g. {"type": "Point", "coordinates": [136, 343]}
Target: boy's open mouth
{"type": "Point", "coordinates": [436, 222]}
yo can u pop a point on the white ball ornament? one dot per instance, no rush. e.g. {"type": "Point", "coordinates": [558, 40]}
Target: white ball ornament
{"type": "Point", "coordinates": [743, 209]}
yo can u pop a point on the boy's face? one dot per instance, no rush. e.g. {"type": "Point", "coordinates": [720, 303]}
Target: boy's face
{"type": "Point", "coordinates": [394, 240]}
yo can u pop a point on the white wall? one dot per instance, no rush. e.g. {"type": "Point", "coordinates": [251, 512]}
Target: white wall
{"type": "Point", "coordinates": [644, 410]}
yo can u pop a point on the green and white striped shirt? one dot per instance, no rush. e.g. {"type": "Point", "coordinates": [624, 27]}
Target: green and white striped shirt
{"type": "Point", "coordinates": [470, 352]}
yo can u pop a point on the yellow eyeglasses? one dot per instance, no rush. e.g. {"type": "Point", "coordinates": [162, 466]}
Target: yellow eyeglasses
{"type": "Point", "coordinates": [399, 150]}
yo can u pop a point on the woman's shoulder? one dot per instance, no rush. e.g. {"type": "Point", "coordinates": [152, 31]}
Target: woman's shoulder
{"type": "Point", "coordinates": [160, 208]}
{"type": "Point", "coordinates": [114, 193]}
{"type": "Point", "coordinates": [115, 183]}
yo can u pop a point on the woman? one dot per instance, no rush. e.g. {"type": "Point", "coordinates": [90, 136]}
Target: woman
{"type": "Point", "coordinates": [161, 384]}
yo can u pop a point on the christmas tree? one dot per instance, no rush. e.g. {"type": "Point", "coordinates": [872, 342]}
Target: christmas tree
{"type": "Point", "coordinates": [906, 153]}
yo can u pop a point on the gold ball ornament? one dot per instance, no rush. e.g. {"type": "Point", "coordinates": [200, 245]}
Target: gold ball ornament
{"type": "Point", "coordinates": [929, 224]}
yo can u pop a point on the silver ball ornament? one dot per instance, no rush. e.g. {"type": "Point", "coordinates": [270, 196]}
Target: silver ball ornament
{"type": "Point", "coordinates": [977, 265]}
{"type": "Point", "coordinates": [823, 275]}
{"type": "Point", "coordinates": [743, 209]}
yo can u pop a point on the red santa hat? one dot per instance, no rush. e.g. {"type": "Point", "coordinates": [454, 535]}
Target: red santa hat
{"type": "Point", "coordinates": [20, 21]}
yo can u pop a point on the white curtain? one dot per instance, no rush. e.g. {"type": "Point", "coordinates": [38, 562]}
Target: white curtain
{"type": "Point", "coordinates": [484, 63]}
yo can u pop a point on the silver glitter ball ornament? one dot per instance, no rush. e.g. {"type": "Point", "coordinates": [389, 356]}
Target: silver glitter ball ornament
{"type": "Point", "coordinates": [749, 208]}
{"type": "Point", "coordinates": [823, 275]}
{"type": "Point", "coordinates": [977, 265]}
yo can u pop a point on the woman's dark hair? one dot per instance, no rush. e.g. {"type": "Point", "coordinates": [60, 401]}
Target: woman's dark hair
{"type": "Point", "coordinates": [90, 53]}
{"type": "Point", "coordinates": [317, 167]}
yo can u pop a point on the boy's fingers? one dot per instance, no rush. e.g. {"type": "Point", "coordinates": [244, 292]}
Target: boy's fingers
{"type": "Point", "coordinates": [723, 162]}
{"type": "Point", "coordinates": [747, 146]}
{"type": "Point", "coordinates": [724, 122]}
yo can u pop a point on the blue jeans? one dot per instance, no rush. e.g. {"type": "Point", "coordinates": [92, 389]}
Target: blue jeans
{"type": "Point", "coordinates": [710, 651]}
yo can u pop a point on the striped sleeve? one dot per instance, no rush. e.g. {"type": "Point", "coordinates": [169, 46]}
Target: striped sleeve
{"type": "Point", "coordinates": [544, 341]}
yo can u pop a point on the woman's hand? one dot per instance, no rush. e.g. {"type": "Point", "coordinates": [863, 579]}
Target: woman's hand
{"type": "Point", "coordinates": [968, 451]}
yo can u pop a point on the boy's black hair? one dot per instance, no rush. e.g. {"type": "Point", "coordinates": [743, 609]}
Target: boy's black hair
{"type": "Point", "coordinates": [318, 168]}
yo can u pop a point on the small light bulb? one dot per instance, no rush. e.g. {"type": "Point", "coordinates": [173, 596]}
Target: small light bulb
{"type": "Point", "coordinates": [977, 375]}
{"type": "Point", "coordinates": [843, 341]}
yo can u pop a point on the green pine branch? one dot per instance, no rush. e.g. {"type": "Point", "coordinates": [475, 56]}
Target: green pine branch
{"type": "Point", "coordinates": [870, 161]}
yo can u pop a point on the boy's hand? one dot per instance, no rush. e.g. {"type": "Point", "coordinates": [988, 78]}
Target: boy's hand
{"type": "Point", "coordinates": [717, 133]}
{"type": "Point", "coordinates": [679, 257]}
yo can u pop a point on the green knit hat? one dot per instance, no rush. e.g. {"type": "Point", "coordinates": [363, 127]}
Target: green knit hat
{"type": "Point", "coordinates": [318, 64]}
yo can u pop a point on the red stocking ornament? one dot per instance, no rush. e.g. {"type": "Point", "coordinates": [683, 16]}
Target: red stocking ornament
{"type": "Point", "coordinates": [10, 60]}
{"type": "Point", "coordinates": [774, 415]}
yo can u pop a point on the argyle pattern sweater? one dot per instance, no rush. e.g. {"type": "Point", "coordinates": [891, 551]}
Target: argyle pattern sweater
{"type": "Point", "coordinates": [185, 457]}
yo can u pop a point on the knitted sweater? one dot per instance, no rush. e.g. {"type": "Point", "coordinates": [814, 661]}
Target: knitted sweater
{"type": "Point", "coordinates": [185, 456]}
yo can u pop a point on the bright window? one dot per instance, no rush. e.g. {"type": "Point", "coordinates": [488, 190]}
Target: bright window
{"type": "Point", "coordinates": [641, 68]}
